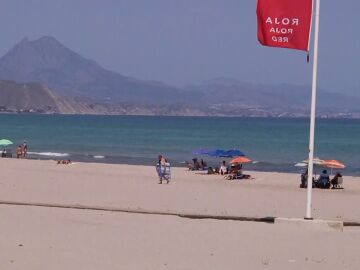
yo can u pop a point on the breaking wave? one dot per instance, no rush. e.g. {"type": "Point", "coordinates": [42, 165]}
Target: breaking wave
{"type": "Point", "coordinates": [49, 154]}
{"type": "Point", "coordinates": [99, 157]}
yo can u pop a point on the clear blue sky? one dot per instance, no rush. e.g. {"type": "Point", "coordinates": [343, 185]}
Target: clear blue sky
{"type": "Point", "coordinates": [187, 41]}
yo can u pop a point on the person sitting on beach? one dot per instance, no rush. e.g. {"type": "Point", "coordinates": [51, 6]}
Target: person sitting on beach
{"type": "Point", "coordinates": [335, 181]}
{"type": "Point", "coordinates": [235, 172]}
{"type": "Point", "coordinates": [203, 165]}
{"type": "Point", "coordinates": [195, 166]}
{"type": "Point", "coordinates": [303, 179]}
{"type": "Point", "coordinates": [210, 170]}
{"type": "Point", "coordinates": [239, 173]}
{"type": "Point", "coordinates": [231, 172]}
{"type": "Point", "coordinates": [223, 168]}
{"type": "Point", "coordinates": [19, 152]}
{"type": "Point", "coordinates": [323, 180]}
{"type": "Point", "coordinates": [67, 161]}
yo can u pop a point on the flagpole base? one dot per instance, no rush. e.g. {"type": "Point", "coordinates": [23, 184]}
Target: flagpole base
{"type": "Point", "coordinates": [313, 224]}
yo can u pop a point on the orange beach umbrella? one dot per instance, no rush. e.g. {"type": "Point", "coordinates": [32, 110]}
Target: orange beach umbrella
{"type": "Point", "coordinates": [240, 160]}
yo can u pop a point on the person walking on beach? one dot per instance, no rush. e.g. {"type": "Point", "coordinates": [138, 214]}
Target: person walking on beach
{"type": "Point", "coordinates": [163, 169]}
{"type": "Point", "coordinates": [25, 148]}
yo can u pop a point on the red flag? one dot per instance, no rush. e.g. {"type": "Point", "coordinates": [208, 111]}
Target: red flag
{"type": "Point", "coordinates": [284, 23]}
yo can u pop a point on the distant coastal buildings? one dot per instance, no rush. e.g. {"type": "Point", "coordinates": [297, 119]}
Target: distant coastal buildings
{"type": "Point", "coordinates": [159, 112]}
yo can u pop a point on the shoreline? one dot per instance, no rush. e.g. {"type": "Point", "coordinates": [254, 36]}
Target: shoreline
{"type": "Point", "coordinates": [276, 144]}
{"type": "Point", "coordinates": [270, 116]}
{"type": "Point", "coordinates": [256, 167]}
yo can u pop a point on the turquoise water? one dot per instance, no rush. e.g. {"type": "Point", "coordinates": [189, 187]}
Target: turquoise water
{"type": "Point", "coordinates": [275, 143]}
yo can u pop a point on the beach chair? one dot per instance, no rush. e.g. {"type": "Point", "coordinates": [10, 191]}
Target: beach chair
{"type": "Point", "coordinates": [164, 172]}
{"type": "Point", "coordinates": [238, 176]}
{"type": "Point", "coordinates": [338, 184]}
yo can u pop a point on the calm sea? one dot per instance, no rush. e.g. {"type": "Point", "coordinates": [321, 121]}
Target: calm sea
{"type": "Point", "coordinates": [275, 144]}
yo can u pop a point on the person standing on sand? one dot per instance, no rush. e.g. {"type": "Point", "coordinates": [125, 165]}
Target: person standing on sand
{"type": "Point", "coordinates": [158, 167]}
{"type": "Point", "coordinates": [19, 151]}
{"type": "Point", "coordinates": [25, 149]}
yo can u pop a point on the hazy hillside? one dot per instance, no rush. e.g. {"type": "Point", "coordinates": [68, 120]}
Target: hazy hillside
{"type": "Point", "coordinates": [32, 97]}
{"type": "Point", "coordinates": [38, 98]}
{"type": "Point", "coordinates": [282, 97]}
{"type": "Point", "coordinates": [47, 61]}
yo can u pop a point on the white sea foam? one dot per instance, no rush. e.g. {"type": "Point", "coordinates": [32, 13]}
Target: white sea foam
{"type": "Point", "coordinates": [98, 156]}
{"type": "Point", "coordinates": [49, 154]}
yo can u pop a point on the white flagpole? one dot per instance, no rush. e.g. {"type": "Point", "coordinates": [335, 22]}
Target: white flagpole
{"type": "Point", "coordinates": [313, 112]}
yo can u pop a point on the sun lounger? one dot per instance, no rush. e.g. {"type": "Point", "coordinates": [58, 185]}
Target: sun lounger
{"type": "Point", "coordinates": [237, 176]}
{"type": "Point", "coordinates": [242, 176]}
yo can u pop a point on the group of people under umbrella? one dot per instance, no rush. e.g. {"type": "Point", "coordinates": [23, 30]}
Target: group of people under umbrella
{"type": "Point", "coordinates": [324, 180]}
{"type": "Point", "coordinates": [234, 169]}
{"type": "Point", "coordinates": [4, 144]}
{"type": "Point", "coordinates": [231, 171]}
{"type": "Point", "coordinates": [21, 150]}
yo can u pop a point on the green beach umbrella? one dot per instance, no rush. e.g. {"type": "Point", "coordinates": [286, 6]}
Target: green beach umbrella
{"type": "Point", "coordinates": [5, 142]}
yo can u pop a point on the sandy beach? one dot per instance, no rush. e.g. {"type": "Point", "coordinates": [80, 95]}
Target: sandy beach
{"type": "Point", "coordinates": [35, 237]}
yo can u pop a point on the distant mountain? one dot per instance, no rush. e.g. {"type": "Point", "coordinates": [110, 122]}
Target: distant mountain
{"type": "Point", "coordinates": [47, 61]}
{"type": "Point", "coordinates": [80, 85]}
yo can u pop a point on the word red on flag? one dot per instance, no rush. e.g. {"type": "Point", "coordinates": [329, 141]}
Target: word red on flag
{"type": "Point", "coordinates": [284, 23]}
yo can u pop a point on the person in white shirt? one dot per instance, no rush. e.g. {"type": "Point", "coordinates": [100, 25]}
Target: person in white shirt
{"type": "Point", "coordinates": [223, 168]}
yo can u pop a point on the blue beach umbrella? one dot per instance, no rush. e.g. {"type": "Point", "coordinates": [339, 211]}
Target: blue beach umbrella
{"type": "Point", "coordinates": [226, 153]}
{"type": "Point", "coordinates": [233, 153]}
{"type": "Point", "coordinates": [217, 153]}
